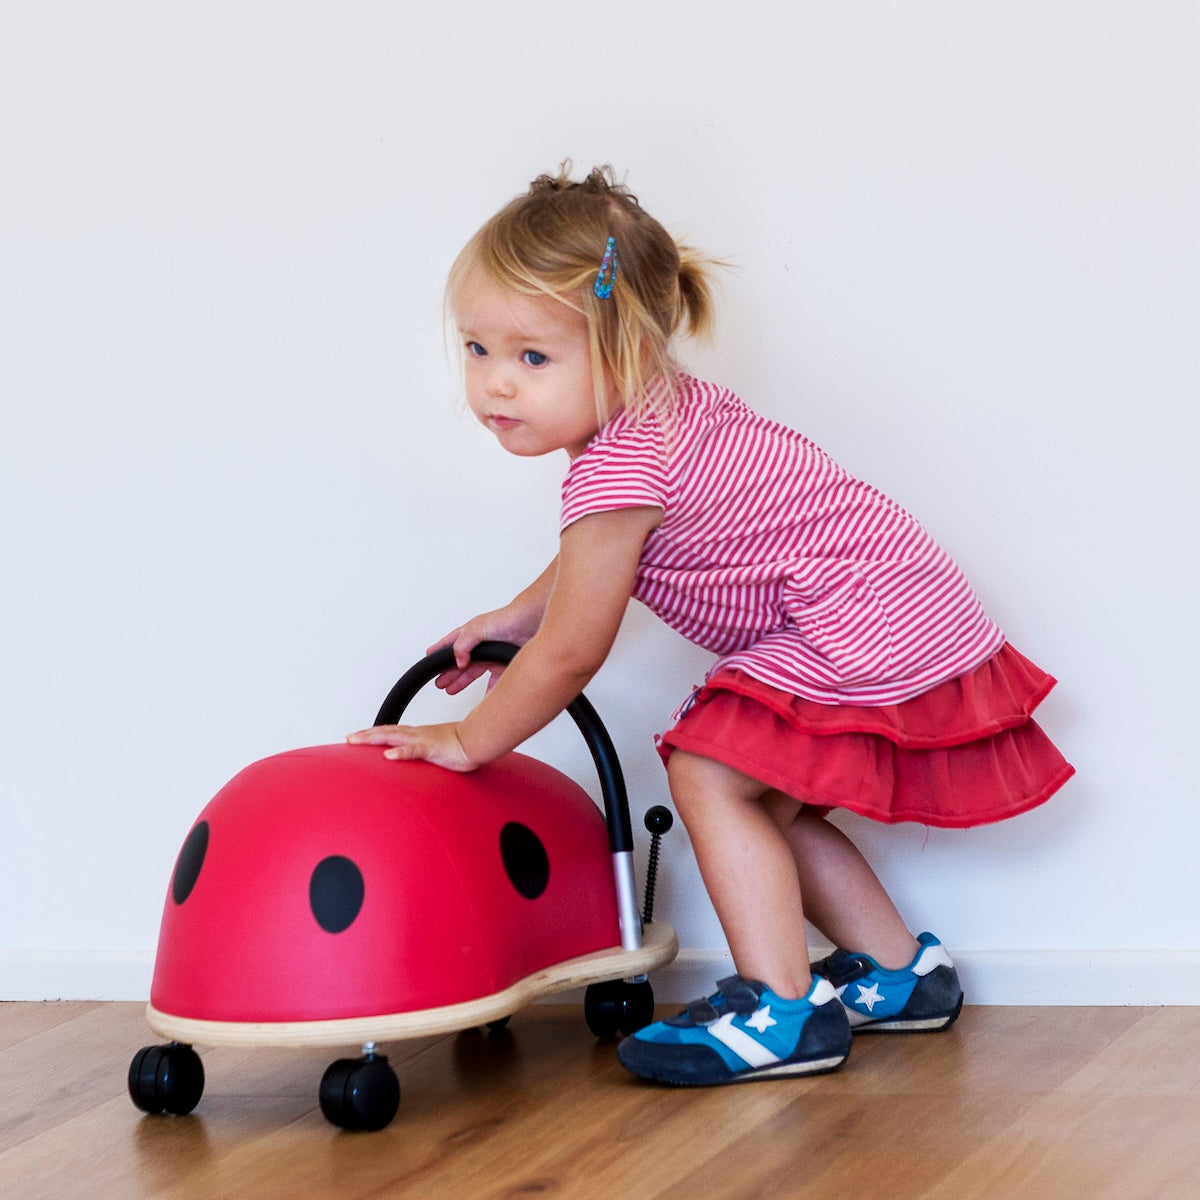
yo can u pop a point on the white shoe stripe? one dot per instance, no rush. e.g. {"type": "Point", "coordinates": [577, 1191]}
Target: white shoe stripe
{"type": "Point", "coordinates": [741, 1043]}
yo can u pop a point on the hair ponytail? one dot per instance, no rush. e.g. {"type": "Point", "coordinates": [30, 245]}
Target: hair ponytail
{"type": "Point", "coordinates": [696, 292]}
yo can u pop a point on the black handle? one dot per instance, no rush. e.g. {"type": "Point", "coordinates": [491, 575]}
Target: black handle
{"type": "Point", "coordinates": [604, 754]}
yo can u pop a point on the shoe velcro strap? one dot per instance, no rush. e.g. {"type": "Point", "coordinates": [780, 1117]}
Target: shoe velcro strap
{"type": "Point", "coordinates": [841, 967]}
{"type": "Point", "coordinates": [741, 994]}
{"type": "Point", "coordinates": [734, 994]}
{"type": "Point", "coordinates": [698, 1012]}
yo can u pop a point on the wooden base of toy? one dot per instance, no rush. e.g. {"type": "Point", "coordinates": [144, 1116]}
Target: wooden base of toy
{"type": "Point", "coordinates": [659, 946]}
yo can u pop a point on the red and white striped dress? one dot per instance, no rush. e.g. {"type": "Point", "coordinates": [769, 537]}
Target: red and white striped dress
{"type": "Point", "coordinates": [796, 574]}
{"type": "Point", "coordinates": [774, 557]}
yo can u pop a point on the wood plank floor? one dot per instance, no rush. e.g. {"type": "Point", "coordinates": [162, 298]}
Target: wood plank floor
{"type": "Point", "coordinates": [1012, 1103]}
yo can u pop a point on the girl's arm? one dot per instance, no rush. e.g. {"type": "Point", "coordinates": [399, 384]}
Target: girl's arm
{"type": "Point", "coordinates": [596, 569]}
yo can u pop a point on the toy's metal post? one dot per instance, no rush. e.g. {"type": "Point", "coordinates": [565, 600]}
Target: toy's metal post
{"type": "Point", "coordinates": [627, 905]}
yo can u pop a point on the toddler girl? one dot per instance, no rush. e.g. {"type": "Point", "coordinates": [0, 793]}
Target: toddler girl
{"type": "Point", "coordinates": [856, 668]}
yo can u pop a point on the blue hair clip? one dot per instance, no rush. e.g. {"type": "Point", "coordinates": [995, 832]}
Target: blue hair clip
{"type": "Point", "coordinates": [608, 267]}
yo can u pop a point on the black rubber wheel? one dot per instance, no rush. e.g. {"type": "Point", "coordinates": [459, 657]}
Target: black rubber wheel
{"type": "Point", "coordinates": [499, 1025]}
{"type": "Point", "coordinates": [166, 1079]}
{"type": "Point", "coordinates": [635, 1006]}
{"type": "Point", "coordinates": [360, 1094]}
{"type": "Point", "coordinates": [601, 1008]}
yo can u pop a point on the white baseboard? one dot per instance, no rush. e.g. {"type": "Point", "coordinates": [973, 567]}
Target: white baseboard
{"type": "Point", "coordinates": [1052, 977]}
{"type": "Point", "coordinates": [78, 975]}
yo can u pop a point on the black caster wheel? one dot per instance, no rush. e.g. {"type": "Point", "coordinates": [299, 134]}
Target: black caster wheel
{"type": "Point", "coordinates": [635, 1007]}
{"type": "Point", "coordinates": [360, 1093]}
{"type": "Point", "coordinates": [618, 1006]}
{"type": "Point", "coordinates": [499, 1025]}
{"type": "Point", "coordinates": [600, 1008]}
{"type": "Point", "coordinates": [166, 1079]}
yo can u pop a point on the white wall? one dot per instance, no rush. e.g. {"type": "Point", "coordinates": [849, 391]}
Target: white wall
{"type": "Point", "coordinates": [237, 496]}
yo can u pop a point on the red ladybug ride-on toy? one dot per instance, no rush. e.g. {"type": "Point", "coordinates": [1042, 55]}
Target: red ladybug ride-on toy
{"type": "Point", "coordinates": [329, 896]}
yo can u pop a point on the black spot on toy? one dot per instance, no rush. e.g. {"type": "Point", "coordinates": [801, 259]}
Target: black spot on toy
{"type": "Point", "coordinates": [336, 892]}
{"type": "Point", "coordinates": [189, 862]}
{"type": "Point", "coordinates": [525, 859]}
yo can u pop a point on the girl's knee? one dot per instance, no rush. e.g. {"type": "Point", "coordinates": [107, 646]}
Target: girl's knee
{"type": "Point", "coordinates": [695, 780]}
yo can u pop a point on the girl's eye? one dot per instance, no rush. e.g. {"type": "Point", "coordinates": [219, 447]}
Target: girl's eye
{"type": "Point", "coordinates": [475, 350]}
{"type": "Point", "coordinates": [534, 358]}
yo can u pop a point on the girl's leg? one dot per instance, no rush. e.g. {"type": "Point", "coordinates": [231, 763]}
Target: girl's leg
{"type": "Point", "coordinates": [843, 896]}
{"type": "Point", "coordinates": [749, 869]}
{"type": "Point", "coordinates": [776, 1019]}
{"type": "Point", "coordinates": [888, 980]}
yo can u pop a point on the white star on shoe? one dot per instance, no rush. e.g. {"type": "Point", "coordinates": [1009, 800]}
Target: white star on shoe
{"type": "Point", "coordinates": [868, 997]}
{"type": "Point", "coordinates": [762, 1020]}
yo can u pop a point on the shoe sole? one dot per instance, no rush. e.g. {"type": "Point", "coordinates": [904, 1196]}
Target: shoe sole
{"type": "Point", "coordinates": [910, 1024]}
{"type": "Point", "coordinates": [818, 1066]}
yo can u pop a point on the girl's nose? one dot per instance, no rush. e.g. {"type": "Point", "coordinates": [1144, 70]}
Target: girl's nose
{"type": "Point", "coordinates": [500, 383]}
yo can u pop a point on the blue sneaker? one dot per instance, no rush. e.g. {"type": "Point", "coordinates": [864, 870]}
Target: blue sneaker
{"type": "Point", "coordinates": [744, 1031]}
{"type": "Point", "coordinates": [920, 998]}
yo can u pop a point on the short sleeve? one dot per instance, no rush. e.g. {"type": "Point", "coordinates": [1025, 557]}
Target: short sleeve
{"type": "Point", "coordinates": [624, 467]}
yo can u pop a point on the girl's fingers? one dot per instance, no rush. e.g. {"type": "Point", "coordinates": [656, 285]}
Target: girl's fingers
{"type": "Point", "coordinates": [402, 753]}
{"type": "Point", "coordinates": [379, 735]}
{"type": "Point", "coordinates": [453, 682]}
{"type": "Point", "coordinates": [448, 640]}
{"type": "Point", "coordinates": [433, 743]}
{"type": "Point", "coordinates": [463, 645]}
{"type": "Point", "coordinates": [461, 641]}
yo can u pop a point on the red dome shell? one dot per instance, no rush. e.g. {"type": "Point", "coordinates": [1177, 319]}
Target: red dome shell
{"type": "Point", "coordinates": [445, 887]}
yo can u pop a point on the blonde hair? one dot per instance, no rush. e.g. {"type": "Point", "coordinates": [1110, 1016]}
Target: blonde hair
{"type": "Point", "coordinates": [551, 241]}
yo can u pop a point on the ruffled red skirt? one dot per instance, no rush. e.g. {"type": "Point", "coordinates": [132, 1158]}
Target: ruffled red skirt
{"type": "Point", "coordinates": [965, 753]}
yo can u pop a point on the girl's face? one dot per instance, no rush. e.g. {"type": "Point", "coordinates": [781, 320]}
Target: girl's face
{"type": "Point", "coordinates": [528, 370]}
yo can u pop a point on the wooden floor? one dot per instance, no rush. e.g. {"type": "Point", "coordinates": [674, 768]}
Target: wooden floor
{"type": "Point", "coordinates": [1011, 1103]}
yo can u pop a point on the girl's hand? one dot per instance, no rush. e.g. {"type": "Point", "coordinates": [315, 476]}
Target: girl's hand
{"type": "Point", "coordinates": [516, 622]}
{"type": "Point", "coordinates": [486, 627]}
{"type": "Point", "coordinates": [437, 744]}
